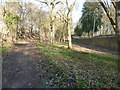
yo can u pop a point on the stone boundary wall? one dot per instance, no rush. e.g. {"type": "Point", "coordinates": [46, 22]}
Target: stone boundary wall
{"type": "Point", "coordinates": [105, 42]}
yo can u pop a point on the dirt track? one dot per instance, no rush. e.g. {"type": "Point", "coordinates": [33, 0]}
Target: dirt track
{"type": "Point", "coordinates": [23, 68]}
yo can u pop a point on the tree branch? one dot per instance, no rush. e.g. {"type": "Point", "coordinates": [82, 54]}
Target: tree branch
{"type": "Point", "coordinates": [107, 12]}
{"type": "Point", "coordinates": [113, 4]}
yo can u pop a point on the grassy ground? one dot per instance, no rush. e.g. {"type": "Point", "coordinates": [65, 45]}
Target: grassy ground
{"type": "Point", "coordinates": [4, 49]}
{"type": "Point", "coordinates": [8, 45]}
{"type": "Point", "coordinates": [80, 69]}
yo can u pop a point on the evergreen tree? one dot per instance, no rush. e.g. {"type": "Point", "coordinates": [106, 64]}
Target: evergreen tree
{"type": "Point", "coordinates": [91, 18]}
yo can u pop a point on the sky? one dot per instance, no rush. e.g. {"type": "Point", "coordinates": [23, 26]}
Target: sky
{"type": "Point", "coordinates": [76, 14]}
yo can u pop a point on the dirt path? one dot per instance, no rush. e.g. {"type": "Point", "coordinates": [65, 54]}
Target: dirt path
{"type": "Point", "coordinates": [23, 67]}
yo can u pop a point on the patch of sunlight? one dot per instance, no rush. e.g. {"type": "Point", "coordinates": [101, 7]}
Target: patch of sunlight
{"type": "Point", "coordinates": [22, 42]}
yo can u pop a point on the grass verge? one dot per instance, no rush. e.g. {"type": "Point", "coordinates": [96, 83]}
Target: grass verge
{"type": "Point", "coordinates": [4, 49]}
{"type": "Point", "coordinates": [80, 69]}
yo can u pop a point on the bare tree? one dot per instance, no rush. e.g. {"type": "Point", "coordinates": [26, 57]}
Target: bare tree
{"type": "Point", "coordinates": [11, 19]}
{"type": "Point", "coordinates": [51, 5]}
{"type": "Point", "coordinates": [69, 22]}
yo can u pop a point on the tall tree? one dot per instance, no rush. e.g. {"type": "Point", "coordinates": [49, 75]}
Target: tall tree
{"type": "Point", "coordinates": [91, 18]}
{"type": "Point", "coordinates": [69, 21]}
{"type": "Point", "coordinates": [11, 20]}
{"type": "Point", "coordinates": [51, 5]}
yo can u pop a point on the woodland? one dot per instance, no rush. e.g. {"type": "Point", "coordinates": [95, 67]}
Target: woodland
{"type": "Point", "coordinates": [39, 49]}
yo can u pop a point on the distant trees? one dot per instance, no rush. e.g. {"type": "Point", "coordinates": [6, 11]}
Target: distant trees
{"type": "Point", "coordinates": [106, 8]}
{"type": "Point", "coordinates": [90, 21]}
{"type": "Point", "coordinates": [50, 26]}
{"type": "Point", "coordinates": [51, 5]}
{"type": "Point", "coordinates": [58, 30]}
{"type": "Point", "coordinates": [106, 26]}
{"type": "Point", "coordinates": [42, 24]}
{"type": "Point", "coordinates": [61, 30]}
{"type": "Point", "coordinates": [25, 20]}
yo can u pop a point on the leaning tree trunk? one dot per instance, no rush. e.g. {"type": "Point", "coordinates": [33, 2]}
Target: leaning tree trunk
{"type": "Point", "coordinates": [118, 29]}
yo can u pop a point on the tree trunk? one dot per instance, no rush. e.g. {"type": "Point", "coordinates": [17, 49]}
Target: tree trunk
{"type": "Point", "coordinates": [52, 26]}
{"type": "Point", "coordinates": [94, 27]}
{"type": "Point", "coordinates": [89, 34]}
{"type": "Point", "coordinates": [118, 30]}
{"type": "Point", "coordinates": [69, 36]}
{"type": "Point", "coordinates": [39, 34]}
{"type": "Point", "coordinates": [53, 33]}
